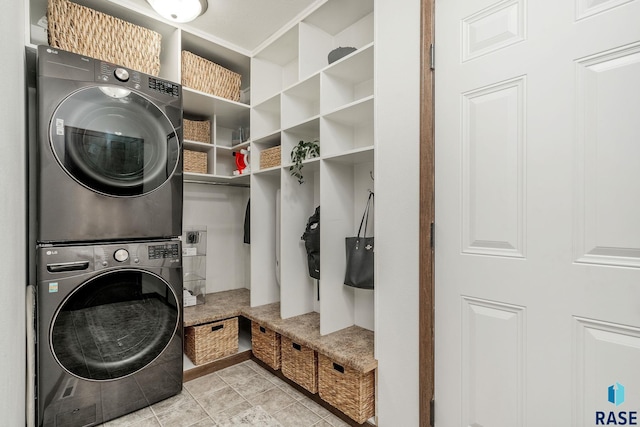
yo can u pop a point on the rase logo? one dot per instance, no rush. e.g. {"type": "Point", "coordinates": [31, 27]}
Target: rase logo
{"type": "Point", "coordinates": [615, 396]}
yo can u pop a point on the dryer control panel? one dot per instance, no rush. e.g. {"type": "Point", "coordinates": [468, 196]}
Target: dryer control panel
{"type": "Point", "coordinates": [167, 250]}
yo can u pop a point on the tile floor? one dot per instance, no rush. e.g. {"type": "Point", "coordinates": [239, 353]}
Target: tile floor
{"type": "Point", "coordinates": [214, 399]}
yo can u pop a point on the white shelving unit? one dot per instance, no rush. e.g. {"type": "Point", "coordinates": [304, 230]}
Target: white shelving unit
{"type": "Point", "coordinates": [225, 115]}
{"type": "Point", "coordinates": [299, 96]}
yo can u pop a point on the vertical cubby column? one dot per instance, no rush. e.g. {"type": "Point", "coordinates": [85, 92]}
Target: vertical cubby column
{"type": "Point", "coordinates": [264, 269]}
{"type": "Point", "coordinates": [298, 202]}
{"type": "Point", "coordinates": [364, 308]}
{"type": "Point", "coordinates": [346, 182]}
{"type": "Point", "coordinates": [336, 201]}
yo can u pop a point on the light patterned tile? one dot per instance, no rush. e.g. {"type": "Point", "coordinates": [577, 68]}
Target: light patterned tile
{"type": "Point", "coordinates": [272, 400]}
{"type": "Point", "coordinates": [135, 420]}
{"type": "Point", "coordinates": [172, 403]}
{"type": "Point", "coordinates": [131, 419]}
{"type": "Point", "coordinates": [277, 380]}
{"type": "Point", "coordinates": [296, 415]}
{"type": "Point", "coordinates": [220, 400]}
{"type": "Point", "coordinates": [235, 373]}
{"type": "Point", "coordinates": [148, 422]}
{"type": "Point", "coordinates": [259, 369]}
{"type": "Point", "coordinates": [205, 384]}
{"type": "Point", "coordinates": [224, 416]}
{"type": "Point", "coordinates": [315, 407]}
{"type": "Point", "coordinates": [251, 386]}
{"type": "Point", "coordinates": [335, 421]}
{"type": "Point", "coordinates": [255, 417]}
{"type": "Point", "coordinates": [322, 423]}
{"type": "Point", "coordinates": [291, 391]}
{"type": "Point", "coordinates": [207, 422]}
{"type": "Point", "coordinates": [182, 416]}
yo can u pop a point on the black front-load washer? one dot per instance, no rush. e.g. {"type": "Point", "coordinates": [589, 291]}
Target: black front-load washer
{"type": "Point", "coordinates": [109, 335]}
{"type": "Point", "coordinates": [109, 163]}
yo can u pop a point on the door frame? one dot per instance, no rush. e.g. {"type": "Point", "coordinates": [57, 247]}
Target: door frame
{"type": "Point", "coordinates": [427, 212]}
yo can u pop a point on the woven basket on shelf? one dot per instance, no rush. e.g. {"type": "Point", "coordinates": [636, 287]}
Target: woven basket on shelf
{"type": "Point", "coordinates": [270, 157]}
{"type": "Point", "coordinates": [206, 76]}
{"type": "Point", "coordinates": [197, 130]}
{"type": "Point", "coordinates": [265, 345]}
{"type": "Point", "coordinates": [195, 161]}
{"type": "Point", "coordinates": [351, 391]}
{"type": "Point", "coordinates": [299, 364]}
{"type": "Point", "coordinates": [85, 31]}
{"type": "Point", "coordinates": [211, 341]}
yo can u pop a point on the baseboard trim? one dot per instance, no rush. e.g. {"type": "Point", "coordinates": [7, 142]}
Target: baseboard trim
{"type": "Point", "coordinates": [216, 365]}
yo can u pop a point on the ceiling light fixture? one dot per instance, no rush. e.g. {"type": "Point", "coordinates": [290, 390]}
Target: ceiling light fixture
{"type": "Point", "coordinates": [179, 10]}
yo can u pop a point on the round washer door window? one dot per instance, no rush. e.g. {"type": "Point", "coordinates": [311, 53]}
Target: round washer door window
{"type": "Point", "coordinates": [114, 141]}
{"type": "Point", "coordinates": [114, 325]}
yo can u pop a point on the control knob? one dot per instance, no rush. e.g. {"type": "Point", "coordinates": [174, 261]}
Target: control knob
{"type": "Point", "coordinates": [121, 255]}
{"type": "Point", "coordinates": [121, 74]}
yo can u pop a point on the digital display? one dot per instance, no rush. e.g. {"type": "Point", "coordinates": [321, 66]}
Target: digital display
{"type": "Point", "coordinates": [163, 87]}
{"type": "Point", "coordinates": [163, 251]}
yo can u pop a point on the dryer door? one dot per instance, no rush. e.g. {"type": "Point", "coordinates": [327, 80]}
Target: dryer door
{"type": "Point", "coordinates": [114, 141]}
{"type": "Point", "coordinates": [114, 325]}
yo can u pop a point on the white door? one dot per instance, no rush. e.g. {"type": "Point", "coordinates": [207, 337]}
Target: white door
{"type": "Point", "coordinates": [537, 241]}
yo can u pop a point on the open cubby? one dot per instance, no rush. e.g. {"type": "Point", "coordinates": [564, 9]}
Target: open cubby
{"type": "Point", "coordinates": [275, 67]}
{"type": "Point", "coordinates": [301, 102]}
{"type": "Point", "coordinates": [348, 80]}
{"type": "Point", "coordinates": [266, 117]}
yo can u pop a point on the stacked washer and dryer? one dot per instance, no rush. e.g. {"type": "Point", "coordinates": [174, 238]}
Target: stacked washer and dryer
{"type": "Point", "coordinates": [108, 254]}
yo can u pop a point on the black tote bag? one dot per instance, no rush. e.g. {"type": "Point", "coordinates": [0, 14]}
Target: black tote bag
{"type": "Point", "coordinates": [359, 250]}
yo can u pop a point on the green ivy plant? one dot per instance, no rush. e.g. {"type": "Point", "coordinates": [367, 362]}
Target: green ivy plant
{"type": "Point", "coordinates": [304, 150]}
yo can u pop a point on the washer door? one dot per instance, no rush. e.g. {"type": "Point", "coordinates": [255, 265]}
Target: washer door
{"type": "Point", "coordinates": [114, 141]}
{"type": "Point", "coordinates": [114, 325]}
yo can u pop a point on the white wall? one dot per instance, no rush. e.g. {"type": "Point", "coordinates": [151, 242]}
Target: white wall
{"type": "Point", "coordinates": [397, 68]}
{"type": "Point", "coordinates": [13, 216]}
{"type": "Point", "coordinates": [221, 209]}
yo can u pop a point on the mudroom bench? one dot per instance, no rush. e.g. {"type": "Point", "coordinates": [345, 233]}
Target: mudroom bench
{"type": "Point", "coordinates": [339, 367]}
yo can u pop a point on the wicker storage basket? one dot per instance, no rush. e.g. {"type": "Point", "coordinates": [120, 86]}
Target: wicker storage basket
{"type": "Point", "coordinates": [299, 364]}
{"type": "Point", "coordinates": [85, 31]}
{"type": "Point", "coordinates": [206, 76]}
{"type": "Point", "coordinates": [211, 341]}
{"type": "Point", "coordinates": [351, 391]}
{"type": "Point", "coordinates": [265, 345]}
{"type": "Point", "coordinates": [195, 161]}
{"type": "Point", "coordinates": [197, 130]}
{"type": "Point", "coordinates": [270, 157]}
